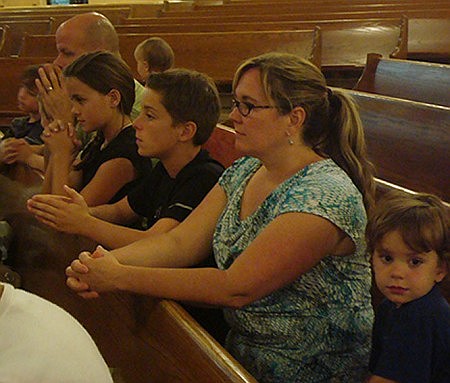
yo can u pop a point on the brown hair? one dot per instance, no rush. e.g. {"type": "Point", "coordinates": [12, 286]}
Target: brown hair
{"type": "Point", "coordinates": [156, 52]}
{"type": "Point", "coordinates": [421, 219]}
{"type": "Point", "coordinates": [29, 76]}
{"type": "Point", "coordinates": [188, 96]}
{"type": "Point", "coordinates": [332, 127]}
{"type": "Point", "coordinates": [104, 71]}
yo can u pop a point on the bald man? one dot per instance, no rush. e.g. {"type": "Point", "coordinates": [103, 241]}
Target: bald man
{"type": "Point", "coordinates": [83, 33]}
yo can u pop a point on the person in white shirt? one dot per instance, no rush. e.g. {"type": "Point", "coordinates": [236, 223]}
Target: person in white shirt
{"type": "Point", "coordinates": [40, 342]}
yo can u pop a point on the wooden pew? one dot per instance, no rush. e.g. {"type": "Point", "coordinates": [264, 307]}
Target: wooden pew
{"type": "Point", "coordinates": [428, 39]}
{"type": "Point", "coordinates": [218, 54]}
{"type": "Point", "coordinates": [143, 340]}
{"type": "Point", "coordinates": [407, 79]}
{"type": "Point", "coordinates": [18, 28]}
{"type": "Point", "coordinates": [215, 54]}
{"type": "Point", "coordinates": [441, 12]}
{"type": "Point", "coordinates": [221, 145]}
{"type": "Point", "coordinates": [407, 141]}
{"type": "Point", "coordinates": [38, 45]}
{"type": "Point", "coordinates": [345, 43]}
{"type": "Point", "coordinates": [282, 7]}
{"type": "Point", "coordinates": [3, 36]}
{"type": "Point", "coordinates": [113, 12]}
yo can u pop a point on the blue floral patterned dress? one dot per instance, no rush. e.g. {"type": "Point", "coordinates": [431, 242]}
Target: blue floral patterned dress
{"type": "Point", "coordinates": [318, 328]}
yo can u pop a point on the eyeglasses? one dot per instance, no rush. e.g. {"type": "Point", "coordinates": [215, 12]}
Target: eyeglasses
{"type": "Point", "coordinates": [245, 108]}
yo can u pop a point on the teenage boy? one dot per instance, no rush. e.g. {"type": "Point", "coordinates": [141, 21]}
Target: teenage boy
{"type": "Point", "coordinates": [179, 112]}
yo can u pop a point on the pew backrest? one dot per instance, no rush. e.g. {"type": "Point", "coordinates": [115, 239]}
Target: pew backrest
{"type": "Point", "coordinates": [216, 54]}
{"type": "Point", "coordinates": [221, 145]}
{"type": "Point", "coordinates": [344, 42]}
{"type": "Point", "coordinates": [11, 70]}
{"type": "Point", "coordinates": [113, 12]}
{"type": "Point", "coordinates": [407, 141]}
{"type": "Point", "coordinates": [3, 36]}
{"type": "Point", "coordinates": [17, 30]}
{"type": "Point", "coordinates": [289, 7]}
{"type": "Point", "coordinates": [407, 79]}
{"type": "Point", "coordinates": [179, 346]}
{"type": "Point", "coordinates": [38, 45]}
{"type": "Point", "coordinates": [428, 39]}
{"type": "Point", "coordinates": [440, 12]}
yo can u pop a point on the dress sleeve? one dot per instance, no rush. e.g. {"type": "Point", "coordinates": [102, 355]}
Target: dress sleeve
{"type": "Point", "coordinates": [329, 194]}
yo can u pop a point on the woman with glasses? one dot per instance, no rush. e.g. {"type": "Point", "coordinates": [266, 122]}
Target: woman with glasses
{"type": "Point", "coordinates": [286, 224]}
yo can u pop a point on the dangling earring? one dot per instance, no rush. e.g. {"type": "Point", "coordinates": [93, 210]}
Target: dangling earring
{"type": "Point", "coordinates": [290, 140]}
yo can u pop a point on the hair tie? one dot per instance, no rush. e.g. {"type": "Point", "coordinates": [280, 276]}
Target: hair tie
{"type": "Point", "coordinates": [329, 92]}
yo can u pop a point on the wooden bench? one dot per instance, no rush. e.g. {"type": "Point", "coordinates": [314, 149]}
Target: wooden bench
{"type": "Point", "coordinates": [3, 36]}
{"type": "Point", "coordinates": [407, 141]}
{"type": "Point", "coordinates": [219, 54]}
{"type": "Point", "coordinates": [281, 7]}
{"type": "Point", "coordinates": [345, 43]}
{"type": "Point", "coordinates": [143, 340]}
{"type": "Point", "coordinates": [11, 70]}
{"type": "Point", "coordinates": [429, 39]}
{"type": "Point", "coordinates": [407, 79]}
{"type": "Point", "coordinates": [215, 54]}
{"type": "Point", "coordinates": [18, 28]}
{"type": "Point", "coordinates": [440, 12]}
{"type": "Point", "coordinates": [113, 12]}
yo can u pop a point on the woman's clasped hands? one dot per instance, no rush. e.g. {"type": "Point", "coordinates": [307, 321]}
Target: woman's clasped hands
{"type": "Point", "coordinates": [93, 273]}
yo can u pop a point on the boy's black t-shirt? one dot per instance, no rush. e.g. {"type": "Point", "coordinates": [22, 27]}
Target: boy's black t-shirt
{"type": "Point", "coordinates": [160, 196]}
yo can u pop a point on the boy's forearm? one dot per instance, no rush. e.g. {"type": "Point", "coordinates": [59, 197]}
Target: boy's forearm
{"type": "Point", "coordinates": [109, 235]}
{"type": "Point", "coordinates": [111, 213]}
{"type": "Point", "coordinates": [36, 161]}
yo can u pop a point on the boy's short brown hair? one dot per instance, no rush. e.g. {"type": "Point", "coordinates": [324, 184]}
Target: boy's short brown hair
{"type": "Point", "coordinates": [156, 52]}
{"type": "Point", "coordinates": [28, 78]}
{"type": "Point", "coordinates": [188, 96]}
{"type": "Point", "coordinates": [422, 220]}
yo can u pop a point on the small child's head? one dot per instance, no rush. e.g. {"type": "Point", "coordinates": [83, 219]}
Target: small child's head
{"type": "Point", "coordinates": [99, 83]}
{"type": "Point", "coordinates": [184, 101]}
{"type": "Point", "coordinates": [153, 55]}
{"type": "Point", "coordinates": [408, 238]}
{"type": "Point", "coordinates": [27, 94]}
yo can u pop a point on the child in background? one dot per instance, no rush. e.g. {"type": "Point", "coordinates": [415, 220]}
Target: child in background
{"type": "Point", "coordinates": [153, 55]}
{"type": "Point", "coordinates": [22, 142]}
{"type": "Point", "coordinates": [408, 237]}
